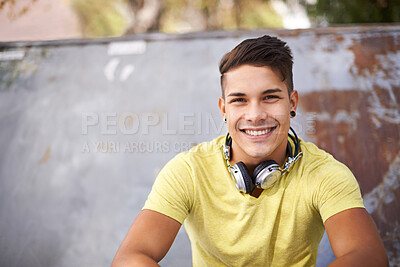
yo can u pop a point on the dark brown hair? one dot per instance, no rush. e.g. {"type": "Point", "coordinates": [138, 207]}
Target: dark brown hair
{"type": "Point", "coordinates": [263, 51]}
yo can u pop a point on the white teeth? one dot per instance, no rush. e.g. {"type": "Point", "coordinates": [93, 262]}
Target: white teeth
{"type": "Point", "coordinates": [257, 133]}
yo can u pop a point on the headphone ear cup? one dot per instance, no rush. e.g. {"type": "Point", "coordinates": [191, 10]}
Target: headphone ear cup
{"type": "Point", "coordinates": [244, 176]}
{"type": "Point", "coordinates": [266, 174]}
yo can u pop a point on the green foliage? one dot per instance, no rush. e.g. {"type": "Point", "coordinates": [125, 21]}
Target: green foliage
{"type": "Point", "coordinates": [103, 18]}
{"type": "Point", "coordinates": [218, 15]}
{"type": "Point", "coordinates": [355, 11]}
{"type": "Point", "coordinates": [100, 18]}
{"type": "Point", "coordinates": [257, 14]}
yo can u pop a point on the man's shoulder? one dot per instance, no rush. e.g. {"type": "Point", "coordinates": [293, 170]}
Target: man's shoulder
{"type": "Point", "coordinates": [312, 150]}
{"type": "Point", "coordinates": [199, 155]}
{"type": "Point", "coordinates": [317, 159]}
{"type": "Point", "coordinates": [204, 150]}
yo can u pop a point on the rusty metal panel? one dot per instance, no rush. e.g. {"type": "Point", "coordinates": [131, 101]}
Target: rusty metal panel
{"type": "Point", "coordinates": [71, 175]}
{"type": "Point", "coordinates": [355, 112]}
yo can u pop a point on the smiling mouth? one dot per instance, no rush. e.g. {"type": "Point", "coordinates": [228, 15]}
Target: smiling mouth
{"type": "Point", "coordinates": [258, 132]}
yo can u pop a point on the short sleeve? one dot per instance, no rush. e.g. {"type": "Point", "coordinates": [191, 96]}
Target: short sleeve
{"type": "Point", "coordinates": [336, 190]}
{"type": "Point", "coordinates": [172, 190]}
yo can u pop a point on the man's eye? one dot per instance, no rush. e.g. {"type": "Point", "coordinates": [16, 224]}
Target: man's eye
{"type": "Point", "coordinates": [272, 97]}
{"type": "Point", "coordinates": [238, 100]}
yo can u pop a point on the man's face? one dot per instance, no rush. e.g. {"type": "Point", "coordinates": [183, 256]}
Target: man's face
{"type": "Point", "coordinates": [257, 108]}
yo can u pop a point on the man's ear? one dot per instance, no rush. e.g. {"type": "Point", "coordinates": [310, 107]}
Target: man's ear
{"type": "Point", "coordinates": [221, 105]}
{"type": "Point", "coordinates": [294, 100]}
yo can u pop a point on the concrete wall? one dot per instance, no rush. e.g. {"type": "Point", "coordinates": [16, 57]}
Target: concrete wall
{"type": "Point", "coordinates": [87, 125]}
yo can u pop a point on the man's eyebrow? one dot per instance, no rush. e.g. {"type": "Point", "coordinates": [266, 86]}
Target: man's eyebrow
{"type": "Point", "coordinates": [268, 91]}
{"type": "Point", "coordinates": [236, 94]}
{"type": "Point", "coordinates": [271, 91]}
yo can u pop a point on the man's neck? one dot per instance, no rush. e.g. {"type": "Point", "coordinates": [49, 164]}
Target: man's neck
{"type": "Point", "coordinates": [251, 163]}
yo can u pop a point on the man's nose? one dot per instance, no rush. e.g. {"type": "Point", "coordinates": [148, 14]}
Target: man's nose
{"type": "Point", "coordinates": [256, 113]}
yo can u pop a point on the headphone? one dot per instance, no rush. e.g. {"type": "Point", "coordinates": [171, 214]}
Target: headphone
{"type": "Point", "coordinates": [265, 174]}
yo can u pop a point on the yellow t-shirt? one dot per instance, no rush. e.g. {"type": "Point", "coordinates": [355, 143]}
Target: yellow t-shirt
{"type": "Point", "coordinates": [282, 227]}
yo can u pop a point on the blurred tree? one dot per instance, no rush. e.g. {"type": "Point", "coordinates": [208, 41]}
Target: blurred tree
{"type": "Point", "coordinates": [15, 10]}
{"type": "Point", "coordinates": [257, 14]}
{"type": "Point", "coordinates": [146, 15]}
{"type": "Point", "coordinates": [353, 11]}
{"type": "Point", "coordinates": [195, 15]}
{"type": "Point", "coordinates": [101, 18]}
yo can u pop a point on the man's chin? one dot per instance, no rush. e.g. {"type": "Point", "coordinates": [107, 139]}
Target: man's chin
{"type": "Point", "coordinates": [258, 155]}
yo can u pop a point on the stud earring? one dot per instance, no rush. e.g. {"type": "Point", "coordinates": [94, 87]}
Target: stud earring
{"type": "Point", "coordinates": [293, 113]}
{"type": "Point", "coordinates": [225, 119]}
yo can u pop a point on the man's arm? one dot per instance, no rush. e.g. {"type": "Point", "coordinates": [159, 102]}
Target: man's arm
{"type": "Point", "coordinates": [355, 240]}
{"type": "Point", "coordinates": [148, 240]}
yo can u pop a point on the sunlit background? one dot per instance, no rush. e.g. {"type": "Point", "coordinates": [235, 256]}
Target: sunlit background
{"type": "Point", "coordinates": [61, 19]}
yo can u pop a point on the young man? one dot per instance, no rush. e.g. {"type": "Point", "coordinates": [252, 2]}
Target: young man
{"type": "Point", "coordinates": [289, 190]}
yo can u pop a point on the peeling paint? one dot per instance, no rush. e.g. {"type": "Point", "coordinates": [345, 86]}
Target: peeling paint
{"type": "Point", "coordinates": [12, 55]}
{"type": "Point", "coordinates": [45, 156]}
{"type": "Point", "coordinates": [126, 48]}
{"type": "Point", "coordinates": [361, 127]}
{"type": "Point", "coordinates": [110, 68]}
{"type": "Point", "coordinates": [366, 50]}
